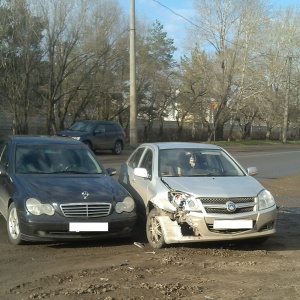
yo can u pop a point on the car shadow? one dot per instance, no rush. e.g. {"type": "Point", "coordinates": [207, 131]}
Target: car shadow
{"type": "Point", "coordinates": [286, 238]}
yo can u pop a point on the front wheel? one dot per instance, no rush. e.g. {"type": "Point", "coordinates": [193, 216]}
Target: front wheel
{"type": "Point", "coordinates": [117, 148]}
{"type": "Point", "coordinates": [154, 231]}
{"type": "Point", "coordinates": [13, 228]}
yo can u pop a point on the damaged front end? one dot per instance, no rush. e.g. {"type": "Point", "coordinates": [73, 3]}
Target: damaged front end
{"type": "Point", "coordinates": [180, 217]}
{"type": "Point", "coordinates": [188, 211]}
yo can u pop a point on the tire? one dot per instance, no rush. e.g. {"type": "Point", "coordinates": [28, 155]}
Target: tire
{"type": "Point", "coordinates": [153, 230]}
{"type": "Point", "coordinates": [118, 148]}
{"type": "Point", "coordinates": [13, 228]}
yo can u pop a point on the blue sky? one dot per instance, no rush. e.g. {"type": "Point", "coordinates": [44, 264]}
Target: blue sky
{"type": "Point", "coordinates": [175, 25]}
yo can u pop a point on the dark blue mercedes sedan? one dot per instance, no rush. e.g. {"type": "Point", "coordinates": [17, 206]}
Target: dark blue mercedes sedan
{"type": "Point", "coordinates": [54, 189]}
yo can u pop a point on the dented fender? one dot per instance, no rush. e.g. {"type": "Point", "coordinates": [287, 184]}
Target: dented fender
{"type": "Point", "coordinates": [161, 201]}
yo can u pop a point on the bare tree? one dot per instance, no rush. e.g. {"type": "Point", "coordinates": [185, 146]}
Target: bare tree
{"type": "Point", "coordinates": [281, 52]}
{"type": "Point", "coordinates": [192, 102]}
{"type": "Point", "coordinates": [228, 29]}
{"type": "Point", "coordinates": [78, 49]}
{"type": "Point", "coordinates": [20, 61]}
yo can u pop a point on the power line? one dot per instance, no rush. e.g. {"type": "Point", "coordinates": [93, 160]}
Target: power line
{"type": "Point", "coordinates": [228, 41]}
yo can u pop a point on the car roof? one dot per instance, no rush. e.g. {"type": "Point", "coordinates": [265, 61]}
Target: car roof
{"type": "Point", "coordinates": [182, 145]}
{"type": "Point", "coordinates": [40, 139]}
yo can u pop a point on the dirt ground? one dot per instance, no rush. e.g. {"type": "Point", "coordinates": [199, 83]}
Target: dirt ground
{"type": "Point", "coordinates": [118, 269]}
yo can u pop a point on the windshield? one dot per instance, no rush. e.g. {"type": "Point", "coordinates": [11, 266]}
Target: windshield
{"type": "Point", "coordinates": [55, 158]}
{"type": "Point", "coordinates": [197, 162]}
{"type": "Point", "coordinates": [82, 126]}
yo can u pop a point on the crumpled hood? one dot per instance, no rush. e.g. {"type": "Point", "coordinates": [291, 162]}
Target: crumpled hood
{"type": "Point", "coordinates": [67, 187]}
{"type": "Point", "coordinates": [226, 187]}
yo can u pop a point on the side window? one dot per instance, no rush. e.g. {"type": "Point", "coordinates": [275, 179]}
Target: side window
{"type": "Point", "coordinates": [134, 161]}
{"type": "Point", "coordinates": [100, 129]}
{"type": "Point", "coordinates": [110, 128]}
{"type": "Point", "coordinates": [147, 161]}
{"type": "Point", "coordinates": [3, 155]}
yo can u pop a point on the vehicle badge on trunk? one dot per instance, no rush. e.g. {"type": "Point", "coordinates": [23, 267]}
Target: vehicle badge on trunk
{"type": "Point", "coordinates": [85, 194]}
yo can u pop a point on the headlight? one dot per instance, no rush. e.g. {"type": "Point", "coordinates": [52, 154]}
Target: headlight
{"type": "Point", "coordinates": [76, 138]}
{"type": "Point", "coordinates": [184, 200]}
{"type": "Point", "coordinates": [35, 207]}
{"type": "Point", "coordinates": [126, 205]}
{"type": "Point", "coordinates": [192, 204]}
{"type": "Point", "coordinates": [265, 200]}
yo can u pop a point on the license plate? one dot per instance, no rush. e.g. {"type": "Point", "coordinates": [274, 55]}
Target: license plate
{"type": "Point", "coordinates": [88, 227]}
{"type": "Point", "coordinates": [233, 224]}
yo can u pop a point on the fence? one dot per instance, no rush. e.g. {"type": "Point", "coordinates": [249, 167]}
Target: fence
{"type": "Point", "coordinates": [191, 131]}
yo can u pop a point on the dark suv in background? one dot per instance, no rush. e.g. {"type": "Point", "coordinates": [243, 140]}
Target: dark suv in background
{"type": "Point", "coordinates": [97, 135]}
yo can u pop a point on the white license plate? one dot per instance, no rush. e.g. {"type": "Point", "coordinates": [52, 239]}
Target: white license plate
{"type": "Point", "coordinates": [233, 224]}
{"type": "Point", "coordinates": [88, 227]}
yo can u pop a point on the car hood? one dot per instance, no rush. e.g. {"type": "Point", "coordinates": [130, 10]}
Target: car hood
{"type": "Point", "coordinates": [72, 133]}
{"type": "Point", "coordinates": [226, 187]}
{"type": "Point", "coordinates": [68, 188]}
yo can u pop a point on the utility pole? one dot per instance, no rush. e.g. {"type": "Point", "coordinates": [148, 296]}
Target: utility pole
{"type": "Point", "coordinates": [287, 102]}
{"type": "Point", "coordinates": [133, 107]}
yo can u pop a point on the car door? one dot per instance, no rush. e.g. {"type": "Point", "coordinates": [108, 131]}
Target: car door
{"type": "Point", "coordinates": [141, 185]}
{"type": "Point", "coordinates": [110, 135]}
{"type": "Point", "coordinates": [126, 172]}
{"type": "Point", "coordinates": [99, 140]}
{"type": "Point", "coordinates": [104, 136]}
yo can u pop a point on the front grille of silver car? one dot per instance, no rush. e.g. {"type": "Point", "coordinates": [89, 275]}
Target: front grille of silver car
{"type": "Point", "coordinates": [218, 205]}
{"type": "Point", "coordinates": [214, 210]}
{"type": "Point", "coordinates": [91, 210]}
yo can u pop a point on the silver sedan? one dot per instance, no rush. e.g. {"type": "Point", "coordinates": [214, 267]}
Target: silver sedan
{"type": "Point", "coordinates": [193, 192]}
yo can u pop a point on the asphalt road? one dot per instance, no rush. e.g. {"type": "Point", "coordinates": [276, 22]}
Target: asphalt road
{"type": "Point", "coordinates": [271, 161]}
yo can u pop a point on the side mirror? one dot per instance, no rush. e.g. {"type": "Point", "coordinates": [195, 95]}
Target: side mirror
{"type": "Point", "coordinates": [141, 172]}
{"type": "Point", "coordinates": [252, 171]}
{"type": "Point", "coordinates": [111, 171]}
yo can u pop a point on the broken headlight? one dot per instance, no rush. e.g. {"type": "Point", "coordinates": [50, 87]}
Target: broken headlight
{"type": "Point", "coordinates": [184, 201]}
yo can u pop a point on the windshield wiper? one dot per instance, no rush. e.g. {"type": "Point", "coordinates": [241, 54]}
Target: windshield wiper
{"type": "Point", "coordinates": [72, 172]}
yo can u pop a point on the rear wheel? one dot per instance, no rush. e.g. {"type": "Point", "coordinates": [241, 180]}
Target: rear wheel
{"type": "Point", "coordinates": [117, 148]}
{"type": "Point", "coordinates": [13, 228]}
{"type": "Point", "coordinates": [153, 230]}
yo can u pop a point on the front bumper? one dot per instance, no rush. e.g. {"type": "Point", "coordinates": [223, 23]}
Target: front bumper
{"type": "Point", "coordinates": [264, 224]}
{"type": "Point", "coordinates": [56, 228]}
